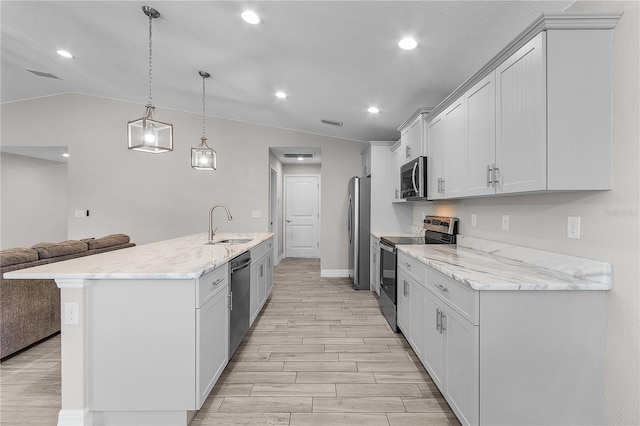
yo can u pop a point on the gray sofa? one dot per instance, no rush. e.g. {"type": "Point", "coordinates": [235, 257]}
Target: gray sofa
{"type": "Point", "coordinates": [30, 309]}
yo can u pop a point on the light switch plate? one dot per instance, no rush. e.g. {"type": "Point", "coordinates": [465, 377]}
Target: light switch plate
{"type": "Point", "coordinates": [474, 220]}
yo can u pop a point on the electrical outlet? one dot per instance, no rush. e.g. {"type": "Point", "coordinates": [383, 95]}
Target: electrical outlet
{"type": "Point", "coordinates": [474, 220]}
{"type": "Point", "coordinates": [573, 227]}
{"type": "Point", "coordinates": [505, 222]}
{"type": "Point", "coordinates": [71, 314]}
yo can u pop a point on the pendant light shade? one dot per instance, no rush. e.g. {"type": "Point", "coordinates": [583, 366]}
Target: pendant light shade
{"type": "Point", "coordinates": [148, 134]}
{"type": "Point", "coordinates": [202, 156]}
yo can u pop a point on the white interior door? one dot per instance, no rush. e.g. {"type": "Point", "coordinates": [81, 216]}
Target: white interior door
{"type": "Point", "coordinates": [302, 215]}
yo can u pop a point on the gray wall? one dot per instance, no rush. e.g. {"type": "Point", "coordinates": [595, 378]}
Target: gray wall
{"type": "Point", "coordinates": [609, 221]}
{"type": "Point", "coordinates": [34, 201]}
{"type": "Point", "coordinates": [155, 197]}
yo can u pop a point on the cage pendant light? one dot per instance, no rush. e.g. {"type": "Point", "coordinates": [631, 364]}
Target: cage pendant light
{"type": "Point", "coordinates": [148, 134]}
{"type": "Point", "coordinates": [203, 157]}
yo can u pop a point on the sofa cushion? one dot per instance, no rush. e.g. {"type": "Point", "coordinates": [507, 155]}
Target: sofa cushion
{"type": "Point", "coordinates": [108, 241]}
{"type": "Point", "coordinates": [14, 256]}
{"type": "Point", "coordinates": [49, 250]}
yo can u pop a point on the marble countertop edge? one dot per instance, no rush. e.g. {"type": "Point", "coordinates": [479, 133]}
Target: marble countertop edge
{"type": "Point", "coordinates": [485, 271]}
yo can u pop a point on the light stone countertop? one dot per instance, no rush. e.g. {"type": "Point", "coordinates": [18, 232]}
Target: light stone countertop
{"type": "Point", "coordinates": [487, 265]}
{"type": "Point", "coordinates": [179, 258]}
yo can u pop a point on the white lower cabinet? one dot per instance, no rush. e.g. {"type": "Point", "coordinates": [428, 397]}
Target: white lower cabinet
{"type": "Point", "coordinates": [261, 277]}
{"type": "Point", "coordinates": [537, 348]}
{"type": "Point", "coordinates": [212, 343]}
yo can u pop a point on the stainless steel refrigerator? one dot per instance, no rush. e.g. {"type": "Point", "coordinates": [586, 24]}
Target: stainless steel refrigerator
{"type": "Point", "coordinates": [359, 228]}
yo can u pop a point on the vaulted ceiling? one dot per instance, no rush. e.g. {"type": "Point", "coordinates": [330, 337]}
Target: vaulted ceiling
{"type": "Point", "coordinates": [334, 59]}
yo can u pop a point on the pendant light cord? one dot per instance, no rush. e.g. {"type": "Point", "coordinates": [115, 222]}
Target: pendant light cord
{"type": "Point", "coordinates": [203, 104]}
{"type": "Point", "coordinates": [150, 64]}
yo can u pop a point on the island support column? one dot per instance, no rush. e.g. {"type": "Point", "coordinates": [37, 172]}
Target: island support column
{"type": "Point", "coordinates": [74, 357]}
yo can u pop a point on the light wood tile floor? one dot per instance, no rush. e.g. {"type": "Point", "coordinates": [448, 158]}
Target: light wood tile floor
{"type": "Point", "coordinates": [320, 353]}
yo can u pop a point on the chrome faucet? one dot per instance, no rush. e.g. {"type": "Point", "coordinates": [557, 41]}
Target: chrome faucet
{"type": "Point", "coordinates": [212, 230]}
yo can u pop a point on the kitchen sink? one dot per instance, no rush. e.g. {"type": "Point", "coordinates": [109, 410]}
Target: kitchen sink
{"type": "Point", "coordinates": [230, 241]}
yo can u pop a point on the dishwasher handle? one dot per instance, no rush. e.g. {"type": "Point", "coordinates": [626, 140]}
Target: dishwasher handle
{"type": "Point", "coordinates": [243, 265]}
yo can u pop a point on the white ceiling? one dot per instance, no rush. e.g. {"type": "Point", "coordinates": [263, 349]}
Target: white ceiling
{"type": "Point", "coordinates": [333, 58]}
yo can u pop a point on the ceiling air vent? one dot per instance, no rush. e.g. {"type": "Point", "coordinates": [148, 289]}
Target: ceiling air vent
{"type": "Point", "coordinates": [305, 155]}
{"type": "Point", "coordinates": [44, 74]}
{"type": "Point", "coordinates": [332, 122]}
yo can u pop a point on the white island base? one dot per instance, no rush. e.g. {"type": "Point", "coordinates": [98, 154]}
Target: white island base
{"type": "Point", "coordinates": [145, 330]}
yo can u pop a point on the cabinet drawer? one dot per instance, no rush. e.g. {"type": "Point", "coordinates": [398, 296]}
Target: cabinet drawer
{"type": "Point", "coordinates": [460, 297]}
{"type": "Point", "coordinates": [411, 266]}
{"type": "Point", "coordinates": [211, 284]}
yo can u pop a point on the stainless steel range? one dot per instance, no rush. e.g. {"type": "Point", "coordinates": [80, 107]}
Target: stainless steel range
{"type": "Point", "coordinates": [438, 230]}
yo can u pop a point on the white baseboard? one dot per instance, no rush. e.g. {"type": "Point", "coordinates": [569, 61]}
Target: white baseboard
{"type": "Point", "coordinates": [74, 417]}
{"type": "Point", "coordinates": [334, 273]}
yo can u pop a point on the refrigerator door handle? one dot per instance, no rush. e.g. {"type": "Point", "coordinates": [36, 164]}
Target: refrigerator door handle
{"type": "Point", "coordinates": [349, 224]}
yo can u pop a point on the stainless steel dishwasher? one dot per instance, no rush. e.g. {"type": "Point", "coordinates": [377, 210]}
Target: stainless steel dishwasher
{"type": "Point", "coordinates": [239, 299]}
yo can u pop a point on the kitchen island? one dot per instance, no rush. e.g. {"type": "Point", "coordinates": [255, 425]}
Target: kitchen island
{"type": "Point", "coordinates": [510, 335]}
{"type": "Point", "coordinates": [145, 330]}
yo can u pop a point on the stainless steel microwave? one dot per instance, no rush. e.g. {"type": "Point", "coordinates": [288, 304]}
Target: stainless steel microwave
{"type": "Point", "coordinates": [413, 180]}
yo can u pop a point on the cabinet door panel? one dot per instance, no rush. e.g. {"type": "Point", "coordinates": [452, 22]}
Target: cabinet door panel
{"type": "Point", "coordinates": [481, 131]}
{"type": "Point", "coordinates": [521, 119]}
{"type": "Point", "coordinates": [434, 341]}
{"type": "Point", "coordinates": [213, 343]}
{"type": "Point", "coordinates": [416, 318]}
{"type": "Point", "coordinates": [436, 156]}
{"type": "Point", "coordinates": [462, 366]}
{"type": "Point", "coordinates": [402, 301]}
{"type": "Point", "coordinates": [455, 166]}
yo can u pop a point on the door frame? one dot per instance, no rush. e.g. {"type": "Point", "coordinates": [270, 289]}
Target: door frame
{"type": "Point", "coordinates": [284, 209]}
{"type": "Point", "coordinates": [273, 205]}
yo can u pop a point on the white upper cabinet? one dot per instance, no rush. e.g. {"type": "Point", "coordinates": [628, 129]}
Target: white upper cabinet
{"type": "Point", "coordinates": [520, 120]}
{"type": "Point", "coordinates": [396, 162]}
{"type": "Point", "coordinates": [436, 141]}
{"type": "Point", "coordinates": [536, 118]}
{"type": "Point", "coordinates": [455, 167]}
{"type": "Point", "coordinates": [411, 140]}
{"type": "Point", "coordinates": [413, 136]}
{"type": "Point", "coordinates": [366, 162]}
{"type": "Point", "coordinates": [481, 142]}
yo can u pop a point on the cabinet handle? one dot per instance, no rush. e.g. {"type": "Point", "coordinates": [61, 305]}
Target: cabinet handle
{"type": "Point", "coordinates": [261, 271]}
{"type": "Point", "coordinates": [496, 175]}
{"type": "Point", "coordinates": [443, 319]}
{"type": "Point", "coordinates": [489, 175]}
{"type": "Point", "coordinates": [397, 193]}
{"type": "Point", "coordinates": [438, 320]}
{"type": "Point", "coordinates": [407, 151]}
{"type": "Point", "coordinates": [405, 290]}
{"type": "Point", "coordinates": [443, 185]}
{"type": "Point", "coordinates": [407, 265]}
{"type": "Point", "coordinates": [231, 301]}
{"type": "Point", "coordinates": [442, 288]}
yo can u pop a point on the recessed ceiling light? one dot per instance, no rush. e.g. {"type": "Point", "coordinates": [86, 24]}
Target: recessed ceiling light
{"type": "Point", "coordinates": [65, 54]}
{"type": "Point", "coordinates": [281, 95]}
{"type": "Point", "coordinates": [250, 17]}
{"type": "Point", "coordinates": [66, 155]}
{"type": "Point", "coordinates": [300, 158]}
{"type": "Point", "coordinates": [373, 110]}
{"type": "Point", "coordinates": [407, 43]}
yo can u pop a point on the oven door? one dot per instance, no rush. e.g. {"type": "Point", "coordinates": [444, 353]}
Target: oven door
{"type": "Point", "coordinates": [388, 284]}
